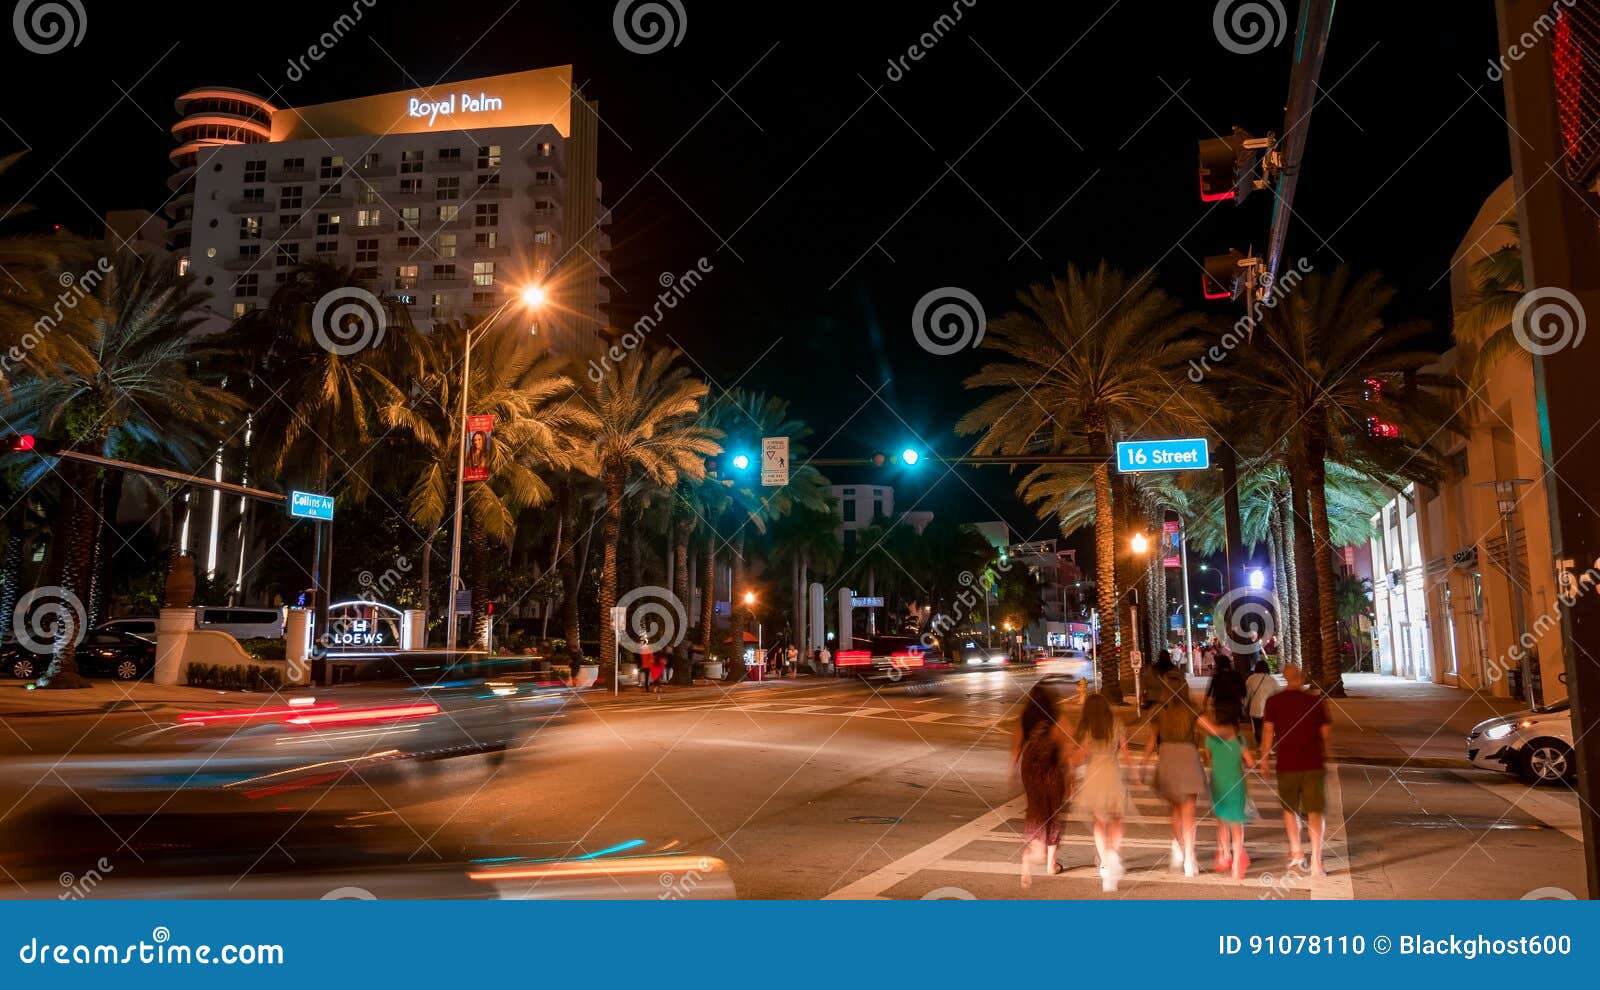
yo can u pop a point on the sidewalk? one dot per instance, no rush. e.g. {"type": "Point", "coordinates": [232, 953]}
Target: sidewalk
{"type": "Point", "coordinates": [17, 700]}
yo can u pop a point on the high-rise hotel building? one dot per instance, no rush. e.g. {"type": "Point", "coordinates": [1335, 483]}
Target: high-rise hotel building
{"type": "Point", "coordinates": [447, 198]}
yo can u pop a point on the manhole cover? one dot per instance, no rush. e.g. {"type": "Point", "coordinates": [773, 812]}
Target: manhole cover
{"type": "Point", "coordinates": [873, 820]}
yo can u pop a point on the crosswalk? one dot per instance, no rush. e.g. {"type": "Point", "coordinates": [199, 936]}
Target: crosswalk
{"type": "Point", "coordinates": [870, 711]}
{"type": "Point", "coordinates": [991, 845]}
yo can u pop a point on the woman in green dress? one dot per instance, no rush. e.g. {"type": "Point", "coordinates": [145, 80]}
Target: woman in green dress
{"type": "Point", "coordinates": [1229, 801]}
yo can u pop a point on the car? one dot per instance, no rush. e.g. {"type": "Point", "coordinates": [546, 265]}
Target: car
{"type": "Point", "coordinates": [975, 654]}
{"type": "Point", "coordinates": [1063, 662]}
{"type": "Point", "coordinates": [104, 652]}
{"type": "Point", "coordinates": [241, 622]}
{"type": "Point", "coordinates": [888, 657]}
{"type": "Point", "coordinates": [139, 625]}
{"type": "Point", "coordinates": [1535, 744]}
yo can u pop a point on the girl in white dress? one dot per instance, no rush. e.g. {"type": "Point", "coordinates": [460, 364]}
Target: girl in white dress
{"type": "Point", "coordinates": [1104, 793]}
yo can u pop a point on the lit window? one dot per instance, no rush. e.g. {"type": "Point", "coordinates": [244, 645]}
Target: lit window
{"type": "Point", "coordinates": [483, 273]}
{"type": "Point", "coordinates": [447, 245]}
{"type": "Point", "coordinates": [489, 157]}
{"type": "Point", "coordinates": [368, 218]}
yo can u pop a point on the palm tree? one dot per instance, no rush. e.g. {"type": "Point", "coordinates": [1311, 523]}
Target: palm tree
{"type": "Point", "coordinates": [537, 421]}
{"type": "Point", "coordinates": [1325, 364]}
{"type": "Point", "coordinates": [143, 392]}
{"type": "Point", "coordinates": [1484, 321]}
{"type": "Point", "coordinates": [322, 407]}
{"type": "Point", "coordinates": [805, 538]}
{"type": "Point", "coordinates": [47, 278]}
{"type": "Point", "coordinates": [643, 421]}
{"type": "Point", "coordinates": [1352, 598]}
{"type": "Point", "coordinates": [1087, 359]}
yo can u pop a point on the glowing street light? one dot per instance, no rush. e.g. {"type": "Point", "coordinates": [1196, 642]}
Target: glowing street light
{"type": "Point", "coordinates": [532, 297]}
{"type": "Point", "coordinates": [749, 598]}
{"type": "Point", "coordinates": [1140, 544]}
{"type": "Point", "coordinates": [1258, 580]}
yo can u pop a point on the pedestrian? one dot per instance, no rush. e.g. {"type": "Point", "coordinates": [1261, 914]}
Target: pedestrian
{"type": "Point", "coordinates": [1103, 795]}
{"type": "Point", "coordinates": [1179, 777]}
{"type": "Point", "coordinates": [1260, 686]}
{"type": "Point", "coordinates": [1229, 798]}
{"type": "Point", "coordinates": [658, 671]}
{"type": "Point", "coordinates": [1042, 762]}
{"type": "Point", "coordinates": [792, 661]}
{"type": "Point", "coordinates": [1226, 691]}
{"type": "Point", "coordinates": [1297, 720]}
{"type": "Point", "coordinates": [825, 660]}
{"type": "Point", "coordinates": [647, 662]}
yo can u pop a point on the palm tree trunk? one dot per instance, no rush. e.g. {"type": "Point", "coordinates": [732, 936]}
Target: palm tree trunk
{"type": "Point", "coordinates": [1105, 567]}
{"type": "Point", "coordinates": [427, 584]}
{"type": "Point", "coordinates": [478, 568]}
{"type": "Point", "coordinates": [614, 479]}
{"type": "Point", "coordinates": [10, 590]}
{"type": "Point", "coordinates": [708, 595]}
{"type": "Point", "coordinates": [1332, 676]}
{"type": "Point", "coordinates": [1127, 578]}
{"type": "Point", "coordinates": [680, 565]}
{"type": "Point", "coordinates": [1305, 575]}
{"type": "Point", "coordinates": [1288, 523]}
{"type": "Point", "coordinates": [1280, 583]}
{"type": "Point", "coordinates": [735, 671]}
{"type": "Point", "coordinates": [570, 573]}
{"type": "Point", "coordinates": [75, 569]}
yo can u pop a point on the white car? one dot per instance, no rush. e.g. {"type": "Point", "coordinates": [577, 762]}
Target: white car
{"type": "Point", "coordinates": [1067, 663]}
{"type": "Point", "coordinates": [1535, 744]}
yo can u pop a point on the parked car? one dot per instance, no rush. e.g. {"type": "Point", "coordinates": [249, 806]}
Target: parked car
{"type": "Point", "coordinates": [241, 622]}
{"type": "Point", "coordinates": [104, 652]}
{"type": "Point", "coordinates": [1535, 744]}
{"type": "Point", "coordinates": [139, 625]}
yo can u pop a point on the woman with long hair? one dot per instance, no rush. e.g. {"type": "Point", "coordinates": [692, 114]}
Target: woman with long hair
{"type": "Point", "coordinates": [1179, 777]}
{"type": "Point", "coordinates": [1104, 794]}
{"type": "Point", "coordinates": [1042, 762]}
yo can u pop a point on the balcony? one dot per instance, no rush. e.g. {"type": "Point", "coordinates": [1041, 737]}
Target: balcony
{"type": "Point", "coordinates": [448, 165]}
{"type": "Point", "coordinates": [489, 191]}
{"type": "Point", "coordinates": [375, 171]}
{"type": "Point", "coordinates": [555, 186]}
{"type": "Point", "coordinates": [248, 206]}
{"type": "Point", "coordinates": [295, 175]}
{"type": "Point", "coordinates": [243, 263]}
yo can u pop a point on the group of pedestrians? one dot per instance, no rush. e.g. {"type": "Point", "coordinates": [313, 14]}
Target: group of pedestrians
{"type": "Point", "coordinates": [1051, 755]}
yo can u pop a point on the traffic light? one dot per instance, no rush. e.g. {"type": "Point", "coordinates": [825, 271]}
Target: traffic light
{"type": "Point", "coordinates": [910, 456]}
{"type": "Point", "coordinates": [741, 462]}
{"type": "Point", "coordinates": [1221, 278]}
{"type": "Point", "coordinates": [19, 441]}
{"type": "Point", "coordinates": [1232, 167]}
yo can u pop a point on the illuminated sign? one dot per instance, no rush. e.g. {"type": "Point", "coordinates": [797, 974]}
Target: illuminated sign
{"type": "Point", "coordinates": [307, 505]}
{"type": "Point", "coordinates": [452, 105]}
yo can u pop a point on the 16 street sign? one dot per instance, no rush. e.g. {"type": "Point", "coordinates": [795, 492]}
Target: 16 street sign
{"type": "Point", "coordinates": [1163, 455]}
{"type": "Point", "coordinates": [305, 505]}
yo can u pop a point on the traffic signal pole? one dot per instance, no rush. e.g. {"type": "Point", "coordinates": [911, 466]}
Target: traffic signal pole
{"type": "Point", "coordinates": [1561, 251]}
{"type": "Point", "coordinates": [1311, 44]}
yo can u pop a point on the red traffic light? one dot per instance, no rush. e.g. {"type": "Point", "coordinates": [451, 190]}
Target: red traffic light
{"type": "Point", "coordinates": [21, 441]}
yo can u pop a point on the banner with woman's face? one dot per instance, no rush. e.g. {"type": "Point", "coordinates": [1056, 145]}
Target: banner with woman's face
{"type": "Point", "coordinates": [479, 439]}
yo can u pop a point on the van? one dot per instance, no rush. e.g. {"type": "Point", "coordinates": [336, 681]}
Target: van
{"type": "Point", "coordinates": [242, 623]}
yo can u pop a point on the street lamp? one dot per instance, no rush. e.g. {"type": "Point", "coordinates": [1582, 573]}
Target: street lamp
{"type": "Point", "coordinates": [532, 296]}
{"type": "Point", "coordinates": [1140, 545]}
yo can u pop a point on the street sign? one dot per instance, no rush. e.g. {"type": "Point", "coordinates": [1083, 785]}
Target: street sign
{"type": "Point", "coordinates": [1163, 455]}
{"type": "Point", "coordinates": [874, 601]}
{"type": "Point", "coordinates": [464, 602]}
{"type": "Point", "coordinates": [774, 461]}
{"type": "Point", "coordinates": [305, 505]}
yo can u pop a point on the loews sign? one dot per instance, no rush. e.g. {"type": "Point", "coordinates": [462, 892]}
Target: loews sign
{"type": "Point", "coordinates": [453, 104]}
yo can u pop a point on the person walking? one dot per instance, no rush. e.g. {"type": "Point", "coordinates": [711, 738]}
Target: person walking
{"type": "Point", "coordinates": [1260, 686]}
{"type": "Point", "coordinates": [1102, 746]}
{"type": "Point", "coordinates": [1180, 780]}
{"type": "Point", "coordinates": [1041, 759]}
{"type": "Point", "coordinates": [647, 660]}
{"type": "Point", "coordinates": [1229, 800]}
{"type": "Point", "coordinates": [1297, 721]}
{"type": "Point", "coordinates": [1226, 691]}
{"type": "Point", "coordinates": [792, 661]}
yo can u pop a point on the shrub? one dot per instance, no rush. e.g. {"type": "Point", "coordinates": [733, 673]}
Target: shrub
{"type": "Point", "coordinates": [230, 677]}
{"type": "Point", "coordinates": [266, 649]}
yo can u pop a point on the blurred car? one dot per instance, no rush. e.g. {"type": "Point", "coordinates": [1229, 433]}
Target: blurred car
{"type": "Point", "coordinates": [892, 658]}
{"type": "Point", "coordinates": [976, 654]}
{"type": "Point", "coordinates": [1535, 744]}
{"type": "Point", "coordinates": [105, 652]}
{"type": "Point", "coordinates": [1065, 663]}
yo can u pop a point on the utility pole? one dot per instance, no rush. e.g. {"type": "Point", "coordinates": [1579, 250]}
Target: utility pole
{"type": "Point", "coordinates": [1561, 254]}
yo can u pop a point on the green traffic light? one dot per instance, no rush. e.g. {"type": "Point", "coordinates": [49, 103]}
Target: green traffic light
{"type": "Point", "coordinates": [910, 456]}
{"type": "Point", "coordinates": [741, 461]}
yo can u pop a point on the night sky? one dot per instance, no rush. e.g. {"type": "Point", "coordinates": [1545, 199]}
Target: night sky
{"type": "Point", "coordinates": [759, 143]}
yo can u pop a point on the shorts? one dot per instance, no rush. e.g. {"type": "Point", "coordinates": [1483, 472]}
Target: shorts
{"type": "Point", "coordinates": [1302, 792]}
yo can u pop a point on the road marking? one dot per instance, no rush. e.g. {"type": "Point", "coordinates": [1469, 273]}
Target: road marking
{"type": "Point", "coordinates": [1265, 836]}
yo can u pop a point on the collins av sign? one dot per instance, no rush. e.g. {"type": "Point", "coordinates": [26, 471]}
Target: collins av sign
{"type": "Point", "coordinates": [1163, 455]}
{"type": "Point", "coordinates": [305, 505]}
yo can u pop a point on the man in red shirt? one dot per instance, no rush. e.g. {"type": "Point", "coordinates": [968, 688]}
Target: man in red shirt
{"type": "Point", "coordinates": [1298, 720]}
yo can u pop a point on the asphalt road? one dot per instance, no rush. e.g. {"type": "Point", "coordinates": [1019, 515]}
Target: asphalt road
{"type": "Point", "coordinates": [810, 790]}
